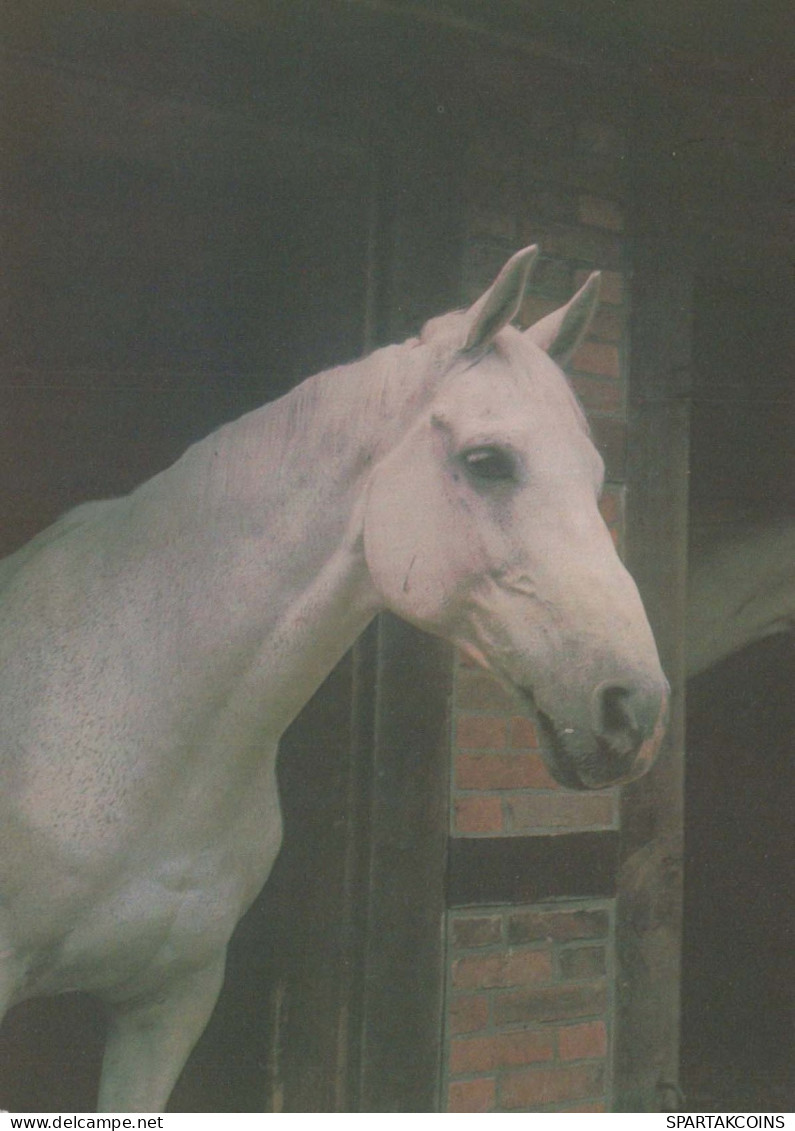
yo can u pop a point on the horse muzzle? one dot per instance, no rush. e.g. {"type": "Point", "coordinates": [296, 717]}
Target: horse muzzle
{"type": "Point", "coordinates": [616, 744]}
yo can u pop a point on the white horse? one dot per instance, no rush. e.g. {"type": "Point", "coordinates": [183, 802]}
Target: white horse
{"type": "Point", "coordinates": [741, 588]}
{"type": "Point", "coordinates": [154, 648]}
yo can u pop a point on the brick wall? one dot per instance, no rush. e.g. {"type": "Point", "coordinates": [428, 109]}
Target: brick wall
{"type": "Point", "coordinates": [500, 784]}
{"type": "Point", "coordinates": [528, 993]}
{"type": "Point", "coordinates": [529, 987]}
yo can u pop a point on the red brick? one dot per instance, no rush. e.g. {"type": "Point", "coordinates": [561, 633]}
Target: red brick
{"type": "Point", "coordinates": [538, 1086]}
{"type": "Point", "coordinates": [476, 690]}
{"type": "Point", "coordinates": [518, 968]}
{"type": "Point", "coordinates": [562, 810]}
{"type": "Point", "coordinates": [608, 323]}
{"type": "Point", "coordinates": [468, 1014]}
{"type": "Point", "coordinates": [583, 1042]}
{"type": "Point", "coordinates": [479, 732]}
{"type": "Point", "coordinates": [611, 289]}
{"type": "Point", "coordinates": [601, 358]}
{"type": "Point", "coordinates": [534, 308]}
{"type": "Point", "coordinates": [600, 213]}
{"type": "Point", "coordinates": [551, 277]}
{"type": "Point", "coordinates": [504, 1050]}
{"type": "Point", "coordinates": [476, 930]}
{"type": "Point", "coordinates": [523, 734]}
{"type": "Point", "coordinates": [567, 242]}
{"type": "Point", "coordinates": [471, 1095]}
{"type": "Point", "coordinates": [598, 394]}
{"type": "Point", "coordinates": [551, 1003]}
{"type": "Point", "coordinates": [478, 815]}
{"type": "Point", "coordinates": [501, 771]}
{"type": "Point", "coordinates": [582, 962]}
{"type": "Point", "coordinates": [557, 926]}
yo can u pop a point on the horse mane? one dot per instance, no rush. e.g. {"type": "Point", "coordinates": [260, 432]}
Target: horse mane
{"type": "Point", "coordinates": [360, 406]}
{"type": "Point", "coordinates": [354, 402]}
{"type": "Point", "coordinates": [73, 519]}
{"type": "Point", "coordinates": [348, 414]}
{"type": "Point", "coordinates": [345, 404]}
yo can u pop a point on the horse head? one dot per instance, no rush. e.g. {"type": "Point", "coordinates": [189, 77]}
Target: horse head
{"type": "Point", "coordinates": [482, 525]}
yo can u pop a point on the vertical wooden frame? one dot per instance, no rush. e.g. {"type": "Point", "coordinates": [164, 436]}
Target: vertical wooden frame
{"type": "Point", "coordinates": [649, 898]}
{"type": "Point", "coordinates": [404, 685]}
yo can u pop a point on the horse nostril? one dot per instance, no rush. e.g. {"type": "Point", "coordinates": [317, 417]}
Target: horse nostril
{"type": "Point", "coordinates": [616, 707]}
{"type": "Point", "coordinates": [617, 722]}
{"type": "Point", "coordinates": [628, 722]}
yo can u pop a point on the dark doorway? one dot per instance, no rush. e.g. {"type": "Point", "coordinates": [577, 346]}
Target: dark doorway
{"type": "Point", "coordinates": [200, 212]}
{"type": "Point", "coordinates": [146, 310]}
{"type": "Point", "coordinates": [149, 303]}
{"type": "Point", "coordinates": [737, 978]}
{"type": "Point", "coordinates": [738, 1002]}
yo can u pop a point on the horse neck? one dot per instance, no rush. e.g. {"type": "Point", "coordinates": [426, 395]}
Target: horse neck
{"type": "Point", "coordinates": [262, 522]}
{"type": "Point", "coordinates": [295, 468]}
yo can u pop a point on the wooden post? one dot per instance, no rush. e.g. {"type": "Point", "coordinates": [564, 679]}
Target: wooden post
{"type": "Point", "coordinates": [651, 845]}
{"type": "Point", "coordinates": [397, 870]}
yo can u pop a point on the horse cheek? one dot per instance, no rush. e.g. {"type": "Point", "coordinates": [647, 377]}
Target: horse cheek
{"type": "Point", "coordinates": [407, 547]}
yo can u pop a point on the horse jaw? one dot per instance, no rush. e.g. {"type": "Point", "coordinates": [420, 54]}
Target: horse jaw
{"type": "Point", "coordinates": [582, 770]}
{"type": "Point", "coordinates": [597, 690]}
{"type": "Point", "coordinates": [577, 757]}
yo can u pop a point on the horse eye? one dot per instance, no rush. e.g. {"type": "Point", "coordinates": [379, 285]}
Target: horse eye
{"type": "Point", "coordinates": [492, 465]}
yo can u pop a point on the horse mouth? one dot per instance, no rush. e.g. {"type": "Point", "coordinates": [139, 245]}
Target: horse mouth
{"type": "Point", "coordinates": [560, 761]}
{"type": "Point", "coordinates": [558, 757]}
{"type": "Point", "coordinates": [620, 748]}
{"type": "Point", "coordinates": [598, 766]}
{"type": "Point", "coordinates": [601, 764]}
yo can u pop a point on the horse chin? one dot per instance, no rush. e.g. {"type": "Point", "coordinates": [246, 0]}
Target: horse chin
{"type": "Point", "coordinates": [559, 758]}
{"type": "Point", "coordinates": [585, 768]}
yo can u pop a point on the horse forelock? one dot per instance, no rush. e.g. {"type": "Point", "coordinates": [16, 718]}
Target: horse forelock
{"type": "Point", "coordinates": [529, 366]}
{"type": "Point", "coordinates": [524, 359]}
{"type": "Point", "coordinates": [447, 334]}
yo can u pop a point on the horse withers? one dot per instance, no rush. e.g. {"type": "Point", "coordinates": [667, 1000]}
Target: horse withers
{"type": "Point", "coordinates": [154, 648]}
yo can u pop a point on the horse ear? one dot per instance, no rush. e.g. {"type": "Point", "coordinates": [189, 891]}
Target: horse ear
{"type": "Point", "coordinates": [562, 331]}
{"type": "Point", "coordinates": [501, 301]}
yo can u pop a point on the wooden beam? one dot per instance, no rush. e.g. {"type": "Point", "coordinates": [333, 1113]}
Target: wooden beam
{"type": "Point", "coordinates": [512, 870]}
{"type": "Point", "coordinates": [648, 909]}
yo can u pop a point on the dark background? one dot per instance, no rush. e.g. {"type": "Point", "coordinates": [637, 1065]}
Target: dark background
{"type": "Point", "coordinates": [204, 202]}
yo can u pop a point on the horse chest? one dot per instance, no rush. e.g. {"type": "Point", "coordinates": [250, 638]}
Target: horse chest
{"type": "Point", "coordinates": [166, 907]}
{"type": "Point", "coordinates": [156, 922]}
